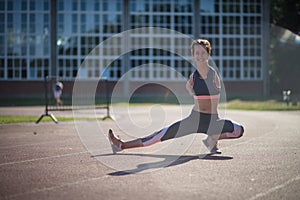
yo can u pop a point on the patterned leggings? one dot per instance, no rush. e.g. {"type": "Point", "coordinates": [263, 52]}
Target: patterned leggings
{"type": "Point", "coordinates": [196, 122]}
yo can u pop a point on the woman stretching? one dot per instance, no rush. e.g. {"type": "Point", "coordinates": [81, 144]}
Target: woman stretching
{"type": "Point", "coordinates": [204, 85]}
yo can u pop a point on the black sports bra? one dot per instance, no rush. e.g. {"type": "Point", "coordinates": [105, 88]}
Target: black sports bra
{"type": "Point", "coordinates": [205, 88]}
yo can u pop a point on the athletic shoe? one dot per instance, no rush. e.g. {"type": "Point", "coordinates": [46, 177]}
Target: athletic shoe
{"type": "Point", "coordinates": [214, 149]}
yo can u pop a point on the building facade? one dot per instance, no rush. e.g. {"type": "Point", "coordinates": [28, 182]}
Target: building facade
{"type": "Point", "coordinates": [237, 29]}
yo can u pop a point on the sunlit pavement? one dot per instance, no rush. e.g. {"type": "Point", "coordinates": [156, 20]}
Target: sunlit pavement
{"type": "Point", "coordinates": [52, 161]}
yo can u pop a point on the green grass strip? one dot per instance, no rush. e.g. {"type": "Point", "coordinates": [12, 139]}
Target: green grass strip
{"type": "Point", "coordinates": [267, 105]}
{"type": "Point", "coordinates": [236, 104]}
{"type": "Point", "coordinates": [12, 119]}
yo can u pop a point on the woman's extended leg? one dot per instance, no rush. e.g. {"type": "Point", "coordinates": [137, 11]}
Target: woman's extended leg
{"type": "Point", "coordinates": [180, 128]}
{"type": "Point", "coordinates": [121, 144]}
{"type": "Point", "coordinates": [142, 142]}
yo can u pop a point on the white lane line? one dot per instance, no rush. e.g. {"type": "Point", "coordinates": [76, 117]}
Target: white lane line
{"type": "Point", "coordinates": [34, 191]}
{"type": "Point", "coordinates": [30, 144]}
{"type": "Point", "coordinates": [43, 158]}
{"type": "Point", "coordinates": [273, 189]}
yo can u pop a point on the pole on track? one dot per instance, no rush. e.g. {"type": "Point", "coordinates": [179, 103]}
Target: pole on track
{"type": "Point", "coordinates": [107, 100]}
{"type": "Point", "coordinates": [46, 114]}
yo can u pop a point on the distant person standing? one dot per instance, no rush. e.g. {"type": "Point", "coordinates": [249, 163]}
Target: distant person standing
{"type": "Point", "coordinates": [58, 92]}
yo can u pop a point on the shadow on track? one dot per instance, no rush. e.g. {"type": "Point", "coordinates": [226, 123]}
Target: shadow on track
{"type": "Point", "coordinates": [169, 160]}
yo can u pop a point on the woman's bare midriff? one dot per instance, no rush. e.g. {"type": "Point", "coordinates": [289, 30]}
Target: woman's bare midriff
{"type": "Point", "coordinates": [209, 106]}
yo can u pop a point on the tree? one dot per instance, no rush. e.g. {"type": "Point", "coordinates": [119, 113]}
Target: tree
{"type": "Point", "coordinates": [285, 48]}
{"type": "Point", "coordinates": [284, 13]}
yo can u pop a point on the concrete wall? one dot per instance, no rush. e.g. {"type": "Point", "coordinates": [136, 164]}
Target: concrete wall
{"type": "Point", "coordinates": [35, 89]}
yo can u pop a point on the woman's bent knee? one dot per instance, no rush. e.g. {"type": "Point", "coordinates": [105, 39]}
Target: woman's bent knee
{"type": "Point", "coordinates": [238, 131]}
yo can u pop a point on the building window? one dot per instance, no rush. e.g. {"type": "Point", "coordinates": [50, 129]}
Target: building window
{"type": "Point", "coordinates": [24, 40]}
{"type": "Point", "coordinates": [234, 27]}
{"type": "Point", "coordinates": [174, 15]}
{"type": "Point", "coordinates": [235, 30]}
{"type": "Point", "coordinates": [83, 26]}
